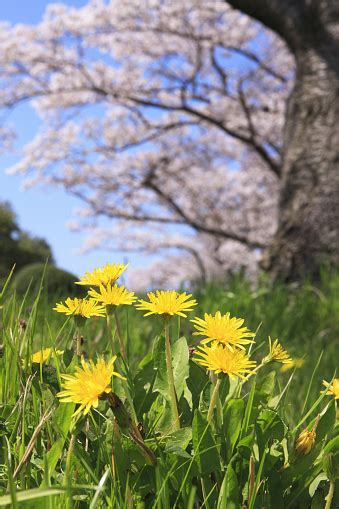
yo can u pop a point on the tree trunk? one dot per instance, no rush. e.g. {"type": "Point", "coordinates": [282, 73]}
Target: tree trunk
{"type": "Point", "coordinates": [308, 231]}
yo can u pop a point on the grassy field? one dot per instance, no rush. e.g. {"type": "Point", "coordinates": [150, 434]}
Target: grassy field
{"type": "Point", "coordinates": [235, 446]}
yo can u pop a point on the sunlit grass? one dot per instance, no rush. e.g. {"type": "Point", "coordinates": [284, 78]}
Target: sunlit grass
{"type": "Point", "coordinates": [234, 440]}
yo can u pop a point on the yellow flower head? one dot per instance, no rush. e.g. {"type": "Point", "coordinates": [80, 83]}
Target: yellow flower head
{"type": "Point", "coordinates": [80, 307]}
{"type": "Point", "coordinates": [89, 382]}
{"type": "Point", "coordinates": [112, 295]}
{"type": "Point", "coordinates": [297, 362]}
{"type": "Point", "coordinates": [223, 329]}
{"type": "Point", "coordinates": [167, 303]}
{"type": "Point", "coordinates": [43, 355]}
{"type": "Point", "coordinates": [222, 360]}
{"type": "Point", "coordinates": [305, 441]}
{"type": "Point", "coordinates": [277, 353]}
{"type": "Point", "coordinates": [332, 389]}
{"type": "Point", "coordinates": [108, 274]}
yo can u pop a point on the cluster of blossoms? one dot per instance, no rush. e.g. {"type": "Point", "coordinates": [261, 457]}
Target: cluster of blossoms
{"type": "Point", "coordinates": [108, 295]}
{"type": "Point", "coordinates": [188, 92]}
{"type": "Point", "coordinates": [101, 300]}
{"type": "Point", "coordinates": [226, 352]}
{"type": "Point", "coordinates": [223, 350]}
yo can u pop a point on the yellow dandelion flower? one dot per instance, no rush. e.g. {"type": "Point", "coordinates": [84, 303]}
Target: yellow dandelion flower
{"type": "Point", "coordinates": [305, 441]}
{"type": "Point", "coordinates": [80, 307]}
{"type": "Point", "coordinates": [43, 355]}
{"type": "Point", "coordinates": [167, 303]}
{"type": "Point", "coordinates": [332, 389]}
{"type": "Point", "coordinates": [277, 353]}
{"type": "Point", "coordinates": [297, 362]}
{"type": "Point", "coordinates": [108, 274]}
{"type": "Point", "coordinates": [88, 384]}
{"type": "Point", "coordinates": [223, 329]}
{"type": "Point", "coordinates": [112, 295]}
{"type": "Point", "coordinates": [222, 360]}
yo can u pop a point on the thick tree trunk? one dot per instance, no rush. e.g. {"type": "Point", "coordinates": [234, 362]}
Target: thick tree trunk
{"type": "Point", "coordinates": [308, 232]}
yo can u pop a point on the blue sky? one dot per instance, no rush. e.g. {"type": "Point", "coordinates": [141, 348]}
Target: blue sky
{"type": "Point", "coordinates": [45, 212]}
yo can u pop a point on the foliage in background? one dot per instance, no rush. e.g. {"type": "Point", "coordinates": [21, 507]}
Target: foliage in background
{"type": "Point", "coordinates": [57, 282]}
{"type": "Point", "coordinates": [18, 247]}
{"type": "Point", "coordinates": [247, 453]}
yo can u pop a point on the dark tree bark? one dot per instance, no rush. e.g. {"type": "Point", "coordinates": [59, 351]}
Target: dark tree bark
{"type": "Point", "coordinates": [308, 230]}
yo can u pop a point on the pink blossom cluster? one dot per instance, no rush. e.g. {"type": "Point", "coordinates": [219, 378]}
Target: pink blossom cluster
{"type": "Point", "coordinates": [162, 115]}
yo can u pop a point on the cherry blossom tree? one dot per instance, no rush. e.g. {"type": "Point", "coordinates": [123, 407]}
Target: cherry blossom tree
{"type": "Point", "coordinates": [166, 117]}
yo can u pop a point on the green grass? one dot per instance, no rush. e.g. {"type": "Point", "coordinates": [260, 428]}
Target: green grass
{"type": "Point", "coordinates": [48, 462]}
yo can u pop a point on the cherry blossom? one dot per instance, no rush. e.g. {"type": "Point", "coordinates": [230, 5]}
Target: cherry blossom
{"type": "Point", "coordinates": [165, 117]}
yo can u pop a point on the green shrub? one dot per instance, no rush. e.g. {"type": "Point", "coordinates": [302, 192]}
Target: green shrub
{"type": "Point", "coordinates": [17, 246]}
{"type": "Point", "coordinates": [56, 282]}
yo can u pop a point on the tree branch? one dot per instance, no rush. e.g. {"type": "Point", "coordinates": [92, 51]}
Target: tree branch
{"type": "Point", "coordinates": [184, 219]}
{"type": "Point", "coordinates": [252, 56]}
{"type": "Point", "coordinates": [195, 224]}
{"type": "Point", "coordinates": [248, 140]}
{"type": "Point", "coordinates": [253, 135]}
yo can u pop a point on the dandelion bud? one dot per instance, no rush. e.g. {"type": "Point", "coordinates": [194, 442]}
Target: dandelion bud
{"type": "Point", "coordinates": [276, 353]}
{"type": "Point", "coordinates": [305, 441]}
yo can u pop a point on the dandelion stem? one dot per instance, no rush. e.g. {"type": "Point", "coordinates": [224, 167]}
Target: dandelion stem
{"type": "Point", "coordinates": [109, 330]}
{"type": "Point", "coordinates": [253, 372]}
{"type": "Point", "coordinates": [129, 399]}
{"type": "Point", "coordinates": [213, 400]}
{"type": "Point", "coordinates": [123, 354]}
{"type": "Point", "coordinates": [78, 342]}
{"type": "Point", "coordinates": [170, 377]}
{"type": "Point", "coordinates": [126, 424]}
{"type": "Point", "coordinates": [330, 495]}
{"type": "Point", "coordinates": [120, 338]}
{"type": "Point", "coordinates": [214, 379]}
